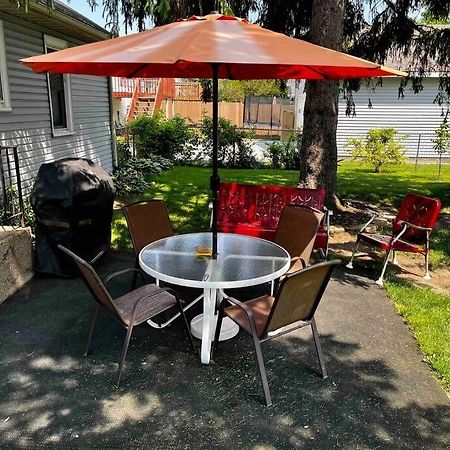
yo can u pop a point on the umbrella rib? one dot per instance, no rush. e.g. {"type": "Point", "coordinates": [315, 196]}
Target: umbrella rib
{"type": "Point", "coordinates": [136, 71]}
{"type": "Point", "coordinates": [316, 71]}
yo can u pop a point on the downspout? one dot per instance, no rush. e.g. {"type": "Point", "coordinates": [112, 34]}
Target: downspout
{"type": "Point", "coordinates": [112, 124]}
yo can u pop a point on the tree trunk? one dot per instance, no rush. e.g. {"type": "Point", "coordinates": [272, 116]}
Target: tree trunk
{"type": "Point", "coordinates": [318, 153]}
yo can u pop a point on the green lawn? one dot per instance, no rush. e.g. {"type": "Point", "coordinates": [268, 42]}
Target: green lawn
{"type": "Point", "coordinates": [428, 315]}
{"type": "Point", "coordinates": [186, 192]}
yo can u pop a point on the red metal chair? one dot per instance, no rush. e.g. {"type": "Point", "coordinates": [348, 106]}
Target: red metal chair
{"type": "Point", "coordinates": [411, 230]}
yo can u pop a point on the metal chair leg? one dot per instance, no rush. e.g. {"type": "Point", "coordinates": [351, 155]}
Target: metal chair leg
{"type": "Point", "coordinates": [318, 348]}
{"type": "Point", "coordinates": [355, 248]}
{"type": "Point", "coordinates": [136, 266]}
{"type": "Point", "coordinates": [186, 325]}
{"type": "Point", "coordinates": [394, 258]}
{"type": "Point", "coordinates": [124, 354]}
{"type": "Point", "coordinates": [220, 315]}
{"type": "Point", "coordinates": [427, 275]}
{"type": "Point", "coordinates": [262, 370]}
{"type": "Point", "coordinates": [386, 260]}
{"type": "Point", "coordinates": [91, 329]}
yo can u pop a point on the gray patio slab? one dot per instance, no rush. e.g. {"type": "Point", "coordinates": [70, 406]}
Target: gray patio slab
{"type": "Point", "coordinates": [379, 393]}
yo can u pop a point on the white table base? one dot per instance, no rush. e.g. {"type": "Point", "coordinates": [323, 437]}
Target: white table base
{"type": "Point", "coordinates": [228, 330]}
{"type": "Point", "coordinates": [203, 326]}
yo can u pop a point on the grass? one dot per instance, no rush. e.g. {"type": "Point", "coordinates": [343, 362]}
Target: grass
{"type": "Point", "coordinates": [428, 315]}
{"type": "Point", "coordinates": [186, 192]}
{"type": "Point", "coordinates": [357, 182]}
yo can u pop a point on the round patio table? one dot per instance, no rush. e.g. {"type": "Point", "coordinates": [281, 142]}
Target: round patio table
{"type": "Point", "coordinates": [241, 261]}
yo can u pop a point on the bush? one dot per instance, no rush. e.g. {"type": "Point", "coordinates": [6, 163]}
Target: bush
{"type": "Point", "coordinates": [233, 149]}
{"type": "Point", "coordinates": [285, 155]}
{"type": "Point", "coordinates": [380, 147]}
{"type": "Point", "coordinates": [10, 202]}
{"type": "Point", "coordinates": [123, 150]}
{"type": "Point", "coordinates": [159, 136]}
{"type": "Point", "coordinates": [442, 141]}
{"type": "Point", "coordinates": [131, 177]}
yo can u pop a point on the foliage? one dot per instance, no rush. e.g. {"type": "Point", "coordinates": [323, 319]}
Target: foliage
{"type": "Point", "coordinates": [131, 178]}
{"type": "Point", "coordinates": [237, 90]}
{"type": "Point", "coordinates": [430, 19]}
{"type": "Point", "coordinates": [285, 155]}
{"type": "Point", "coordinates": [379, 148]}
{"type": "Point", "coordinates": [155, 135]}
{"type": "Point", "coordinates": [123, 150]}
{"type": "Point", "coordinates": [426, 312]}
{"type": "Point", "coordinates": [442, 141]}
{"type": "Point", "coordinates": [12, 204]}
{"type": "Point", "coordinates": [233, 148]}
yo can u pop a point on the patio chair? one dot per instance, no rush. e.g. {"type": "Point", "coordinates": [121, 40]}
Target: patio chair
{"type": "Point", "coordinates": [411, 229]}
{"type": "Point", "coordinates": [130, 309]}
{"type": "Point", "coordinates": [148, 221]}
{"type": "Point", "coordinates": [296, 232]}
{"type": "Point", "coordinates": [265, 318]}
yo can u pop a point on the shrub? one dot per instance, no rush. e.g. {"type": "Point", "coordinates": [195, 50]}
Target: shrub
{"type": "Point", "coordinates": [131, 178]}
{"type": "Point", "coordinates": [233, 149]}
{"type": "Point", "coordinates": [123, 150]}
{"type": "Point", "coordinates": [159, 136]}
{"type": "Point", "coordinates": [380, 147]}
{"type": "Point", "coordinates": [442, 142]}
{"type": "Point", "coordinates": [284, 155]}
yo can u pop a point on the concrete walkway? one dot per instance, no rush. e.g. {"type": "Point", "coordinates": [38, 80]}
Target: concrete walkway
{"type": "Point", "coordinates": [379, 394]}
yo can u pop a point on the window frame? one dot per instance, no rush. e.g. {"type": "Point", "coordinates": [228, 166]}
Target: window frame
{"type": "Point", "coordinates": [5, 104]}
{"type": "Point", "coordinates": [54, 43]}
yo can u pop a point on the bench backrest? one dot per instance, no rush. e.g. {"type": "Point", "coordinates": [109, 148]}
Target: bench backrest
{"type": "Point", "coordinates": [262, 204]}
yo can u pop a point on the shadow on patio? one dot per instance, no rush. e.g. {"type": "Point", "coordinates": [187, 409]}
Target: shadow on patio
{"type": "Point", "coordinates": [379, 392]}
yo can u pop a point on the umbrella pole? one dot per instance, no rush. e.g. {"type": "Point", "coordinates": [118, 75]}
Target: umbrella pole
{"type": "Point", "coordinates": [215, 179]}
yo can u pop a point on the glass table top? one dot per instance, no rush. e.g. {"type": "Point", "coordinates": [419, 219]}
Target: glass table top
{"type": "Point", "coordinates": [241, 260]}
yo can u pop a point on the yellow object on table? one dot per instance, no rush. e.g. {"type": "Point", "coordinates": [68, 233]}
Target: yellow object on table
{"type": "Point", "coordinates": [202, 250]}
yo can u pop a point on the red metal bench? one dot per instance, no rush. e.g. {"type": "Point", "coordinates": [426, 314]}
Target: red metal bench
{"type": "Point", "coordinates": [255, 210]}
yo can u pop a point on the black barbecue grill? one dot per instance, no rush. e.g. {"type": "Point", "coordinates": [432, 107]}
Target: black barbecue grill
{"type": "Point", "coordinates": [72, 200]}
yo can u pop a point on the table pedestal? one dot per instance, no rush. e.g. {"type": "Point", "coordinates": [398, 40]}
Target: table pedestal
{"type": "Point", "coordinates": [203, 326]}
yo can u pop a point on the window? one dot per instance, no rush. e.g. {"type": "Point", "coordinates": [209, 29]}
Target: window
{"type": "Point", "coordinates": [5, 102]}
{"type": "Point", "coordinates": [59, 93]}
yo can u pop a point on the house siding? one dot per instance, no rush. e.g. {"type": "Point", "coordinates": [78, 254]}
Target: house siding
{"type": "Point", "coordinates": [28, 125]}
{"type": "Point", "coordinates": [413, 116]}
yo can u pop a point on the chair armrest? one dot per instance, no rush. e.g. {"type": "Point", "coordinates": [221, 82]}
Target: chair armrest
{"type": "Point", "coordinates": [415, 227]}
{"type": "Point", "coordinates": [374, 216]}
{"type": "Point", "coordinates": [123, 272]}
{"type": "Point", "coordinates": [247, 310]}
{"type": "Point", "coordinates": [297, 258]}
{"type": "Point", "coordinates": [328, 214]}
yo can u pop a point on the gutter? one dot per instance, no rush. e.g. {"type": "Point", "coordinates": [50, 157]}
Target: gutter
{"type": "Point", "coordinates": [112, 124]}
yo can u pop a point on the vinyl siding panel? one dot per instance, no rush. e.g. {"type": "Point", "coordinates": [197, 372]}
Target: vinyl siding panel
{"type": "Point", "coordinates": [28, 125]}
{"type": "Point", "coordinates": [413, 116]}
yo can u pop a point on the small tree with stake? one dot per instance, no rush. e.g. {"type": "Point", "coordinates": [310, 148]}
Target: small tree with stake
{"type": "Point", "coordinates": [380, 147]}
{"type": "Point", "coordinates": [442, 142]}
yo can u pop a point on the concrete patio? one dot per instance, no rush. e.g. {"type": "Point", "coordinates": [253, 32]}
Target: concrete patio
{"type": "Point", "coordinates": [379, 393]}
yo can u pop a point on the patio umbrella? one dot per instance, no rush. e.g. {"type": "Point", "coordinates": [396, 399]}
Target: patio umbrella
{"type": "Point", "coordinates": [214, 46]}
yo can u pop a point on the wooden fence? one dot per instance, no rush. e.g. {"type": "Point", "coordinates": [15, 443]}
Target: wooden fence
{"type": "Point", "coordinates": [194, 110]}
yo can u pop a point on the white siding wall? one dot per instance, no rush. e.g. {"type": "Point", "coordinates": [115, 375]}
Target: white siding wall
{"type": "Point", "coordinates": [28, 125]}
{"type": "Point", "coordinates": [415, 114]}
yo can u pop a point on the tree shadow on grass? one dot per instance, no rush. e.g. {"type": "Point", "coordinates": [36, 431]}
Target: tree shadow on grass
{"type": "Point", "coordinates": [53, 397]}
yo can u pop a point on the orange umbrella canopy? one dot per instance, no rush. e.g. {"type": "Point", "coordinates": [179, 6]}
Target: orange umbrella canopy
{"type": "Point", "coordinates": [189, 47]}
